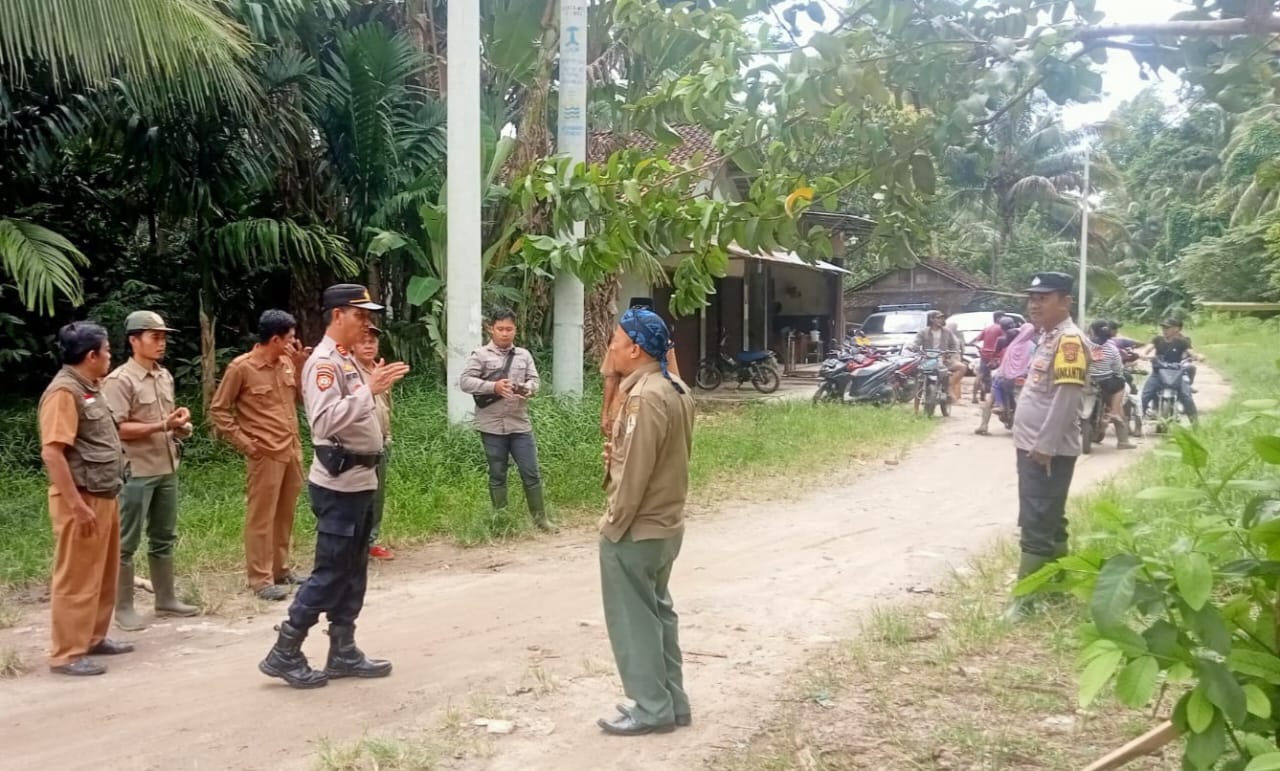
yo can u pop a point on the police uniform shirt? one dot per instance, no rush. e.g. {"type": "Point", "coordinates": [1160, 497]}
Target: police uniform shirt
{"type": "Point", "coordinates": [340, 409]}
{"type": "Point", "coordinates": [1048, 416]}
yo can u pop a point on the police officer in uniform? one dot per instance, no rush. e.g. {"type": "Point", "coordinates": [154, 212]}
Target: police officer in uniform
{"type": "Point", "coordinates": [341, 408]}
{"type": "Point", "coordinates": [1046, 428]}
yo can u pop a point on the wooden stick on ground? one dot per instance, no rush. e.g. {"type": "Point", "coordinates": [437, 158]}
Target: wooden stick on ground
{"type": "Point", "coordinates": [1146, 744]}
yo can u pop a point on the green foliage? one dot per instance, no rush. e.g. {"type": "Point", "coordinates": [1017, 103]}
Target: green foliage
{"type": "Point", "coordinates": [1239, 265]}
{"type": "Point", "coordinates": [41, 263]}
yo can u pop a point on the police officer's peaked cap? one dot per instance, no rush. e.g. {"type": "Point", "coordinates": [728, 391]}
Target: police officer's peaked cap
{"type": "Point", "coordinates": [1044, 283]}
{"type": "Point", "coordinates": [142, 321]}
{"type": "Point", "coordinates": [349, 295]}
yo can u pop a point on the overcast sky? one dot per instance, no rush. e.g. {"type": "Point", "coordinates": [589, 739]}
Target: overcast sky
{"type": "Point", "coordinates": [1120, 79]}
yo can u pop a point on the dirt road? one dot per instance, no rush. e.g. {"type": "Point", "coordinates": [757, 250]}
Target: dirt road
{"type": "Point", "coordinates": [517, 633]}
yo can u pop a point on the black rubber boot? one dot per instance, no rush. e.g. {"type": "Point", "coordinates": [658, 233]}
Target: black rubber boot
{"type": "Point", "coordinates": [498, 497]}
{"type": "Point", "coordinates": [287, 662]}
{"type": "Point", "coordinates": [346, 660]}
{"type": "Point", "coordinates": [538, 509]}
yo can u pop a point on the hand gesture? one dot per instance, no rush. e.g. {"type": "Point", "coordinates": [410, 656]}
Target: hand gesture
{"type": "Point", "coordinates": [606, 426]}
{"type": "Point", "coordinates": [607, 454]}
{"type": "Point", "coordinates": [1040, 459]}
{"type": "Point", "coordinates": [298, 354]}
{"type": "Point", "coordinates": [177, 419]}
{"type": "Point", "coordinates": [86, 519]}
{"type": "Point", "coordinates": [385, 375]}
{"type": "Point", "coordinates": [503, 388]}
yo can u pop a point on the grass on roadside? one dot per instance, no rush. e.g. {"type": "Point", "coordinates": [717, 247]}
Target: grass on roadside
{"type": "Point", "coordinates": [438, 480]}
{"type": "Point", "coordinates": [948, 685]}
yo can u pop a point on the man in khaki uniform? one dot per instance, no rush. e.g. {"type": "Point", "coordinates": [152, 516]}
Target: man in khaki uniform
{"type": "Point", "coordinates": [612, 378]}
{"type": "Point", "coordinates": [81, 451]}
{"type": "Point", "coordinates": [341, 408]}
{"type": "Point", "coordinates": [256, 410]}
{"type": "Point", "coordinates": [647, 481]}
{"type": "Point", "coordinates": [502, 377]}
{"type": "Point", "coordinates": [140, 394]}
{"type": "Point", "coordinates": [366, 352]}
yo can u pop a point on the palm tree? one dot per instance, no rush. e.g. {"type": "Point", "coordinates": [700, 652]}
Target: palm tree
{"type": "Point", "coordinates": [165, 52]}
{"type": "Point", "coordinates": [1030, 161]}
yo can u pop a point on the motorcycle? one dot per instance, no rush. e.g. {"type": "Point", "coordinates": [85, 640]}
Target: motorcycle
{"type": "Point", "coordinates": [861, 377]}
{"type": "Point", "coordinates": [760, 368]}
{"type": "Point", "coordinates": [1168, 406]}
{"type": "Point", "coordinates": [933, 380]}
{"type": "Point", "coordinates": [1011, 403]}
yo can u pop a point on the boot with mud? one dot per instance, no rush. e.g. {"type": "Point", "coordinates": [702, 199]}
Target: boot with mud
{"type": "Point", "coordinates": [287, 662]}
{"type": "Point", "coordinates": [126, 617]}
{"type": "Point", "coordinates": [346, 660]}
{"type": "Point", "coordinates": [167, 602]}
{"type": "Point", "coordinates": [538, 509]}
{"type": "Point", "coordinates": [1025, 605]}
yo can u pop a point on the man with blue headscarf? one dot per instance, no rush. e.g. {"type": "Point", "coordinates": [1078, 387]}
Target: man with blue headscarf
{"type": "Point", "coordinates": [647, 481]}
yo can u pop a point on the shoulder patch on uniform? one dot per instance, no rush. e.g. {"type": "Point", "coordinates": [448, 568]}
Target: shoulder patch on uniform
{"type": "Point", "coordinates": [324, 377]}
{"type": "Point", "coordinates": [1069, 366]}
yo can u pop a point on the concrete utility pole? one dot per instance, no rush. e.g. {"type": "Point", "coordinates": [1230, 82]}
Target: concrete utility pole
{"type": "Point", "coordinates": [1084, 239]}
{"type": "Point", "coordinates": [463, 287]}
{"type": "Point", "coordinates": [571, 139]}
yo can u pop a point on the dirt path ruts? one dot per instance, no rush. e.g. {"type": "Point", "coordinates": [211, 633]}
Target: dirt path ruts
{"type": "Point", "coordinates": [759, 586]}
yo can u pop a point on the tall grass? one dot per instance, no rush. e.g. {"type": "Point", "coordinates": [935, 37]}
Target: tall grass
{"type": "Point", "coordinates": [438, 481]}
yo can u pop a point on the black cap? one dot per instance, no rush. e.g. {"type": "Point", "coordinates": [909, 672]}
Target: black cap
{"type": "Point", "coordinates": [1044, 283]}
{"type": "Point", "coordinates": [375, 330]}
{"type": "Point", "coordinates": [349, 295]}
{"type": "Point", "coordinates": [641, 302]}
{"type": "Point", "coordinates": [1172, 322]}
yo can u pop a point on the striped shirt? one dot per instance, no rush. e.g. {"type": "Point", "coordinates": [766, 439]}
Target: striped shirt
{"type": "Point", "coordinates": [1107, 362]}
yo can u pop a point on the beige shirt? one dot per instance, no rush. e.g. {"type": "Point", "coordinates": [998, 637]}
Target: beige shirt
{"type": "Point", "coordinates": [383, 403]}
{"type": "Point", "coordinates": [136, 394]}
{"type": "Point", "coordinates": [647, 480]}
{"type": "Point", "coordinates": [1048, 416]}
{"type": "Point", "coordinates": [340, 408]}
{"type": "Point", "coordinates": [505, 416]}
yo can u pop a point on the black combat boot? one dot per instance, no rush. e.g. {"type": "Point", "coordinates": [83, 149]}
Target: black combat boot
{"type": "Point", "coordinates": [287, 662]}
{"type": "Point", "coordinates": [346, 660]}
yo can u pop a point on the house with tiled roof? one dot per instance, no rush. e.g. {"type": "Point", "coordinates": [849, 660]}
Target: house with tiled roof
{"type": "Point", "coordinates": [938, 283]}
{"type": "Point", "coordinates": [767, 300]}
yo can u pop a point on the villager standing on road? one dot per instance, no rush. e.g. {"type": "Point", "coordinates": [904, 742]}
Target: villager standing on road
{"type": "Point", "coordinates": [647, 481]}
{"type": "Point", "coordinates": [612, 378]}
{"type": "Point", "coordinates": [342, 412]}
{"type": "Point", "coordinates": [256, 410]}
{"type": "Point", "coordinates": [140, 394]}
{"type": "Point", "coordinates": [82, 454]}
{"type": "Point", "coordinates": [366, 352]}
{"type": "Point", "coordinates": [501, 376]}
{"type": "Point", "coordinates": [1014, 363]}
{"type": "Point", "coordinates": [1046, 427]}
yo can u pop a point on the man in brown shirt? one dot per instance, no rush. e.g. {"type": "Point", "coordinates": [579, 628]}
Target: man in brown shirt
{"type": "Point", "coordinates": [608, 408]}
{"type": "Point", "coordinates": [140, 394]}
{"type": "Point", "coordinates": [366, 354]}
{"type": "Point", "coordinates": [256, 410]}
{"type": "Point", "coordinates": [81, 450]}
{"type": "Point", "coordinates": [647, 480]}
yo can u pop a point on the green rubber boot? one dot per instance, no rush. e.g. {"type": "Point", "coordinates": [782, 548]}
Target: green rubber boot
{"type": "Point", "coordinates": [1024, 606]}
{"type": "Point", "coordinates": [538, 509]}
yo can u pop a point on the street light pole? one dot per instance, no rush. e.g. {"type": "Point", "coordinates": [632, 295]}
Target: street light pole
{"type": "Point", "coordinates": [1084, 239]}
{"type": "Point", "coordinates": [463, 288]}
{"type": "Point", "coordinates": [569, 294]}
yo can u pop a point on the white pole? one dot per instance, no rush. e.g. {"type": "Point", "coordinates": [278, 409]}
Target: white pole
{"type": "Point", "coordinates": [569, 295]}
{"type": "Point", "coordinates": [1084, 240]}
{"type": "Point", "coordinates": [463, 200]}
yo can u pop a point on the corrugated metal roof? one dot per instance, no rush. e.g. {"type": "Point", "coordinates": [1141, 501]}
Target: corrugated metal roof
{"type": "Point", "coordinates": [784, 258]}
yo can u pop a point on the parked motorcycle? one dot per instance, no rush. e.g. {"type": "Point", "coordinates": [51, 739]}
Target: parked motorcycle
{"type": "Point", "coordinates": [1168, 407]}
{"type": "Point", "coordinates": [862, 377]}
{"type": "Point", "coordinates": [760, 368]}
{"type": "Point", "coordinates": [934, 376]}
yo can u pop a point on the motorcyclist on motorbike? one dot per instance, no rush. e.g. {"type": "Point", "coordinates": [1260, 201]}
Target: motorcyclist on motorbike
{"type": "Point", "coordinates": [1106, 374]}
{"type": "Point", "coordinates": [1173, 348]}
{"type": "Point", "coordinates": [937, 336]}
{"type": "Point", "coordinates": [1128, 353]}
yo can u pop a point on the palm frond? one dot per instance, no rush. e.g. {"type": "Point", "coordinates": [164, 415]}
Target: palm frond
{"type": "Point", "coordinates": [265, 241]}
{"type": "Point", "coordinates": [171, 50]}
{"type": "Point", "coordinates": [43, 264]}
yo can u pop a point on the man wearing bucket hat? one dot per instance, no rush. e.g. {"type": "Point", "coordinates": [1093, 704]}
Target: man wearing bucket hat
{"type": "Point", "coordinates": [140, 395]}
{"type": "Point", "coordinates": [341, 406]}
{"type": "Point", "coordinates": [1046, 427]}
{"type": "Point", "coordinates": [647, 482]}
